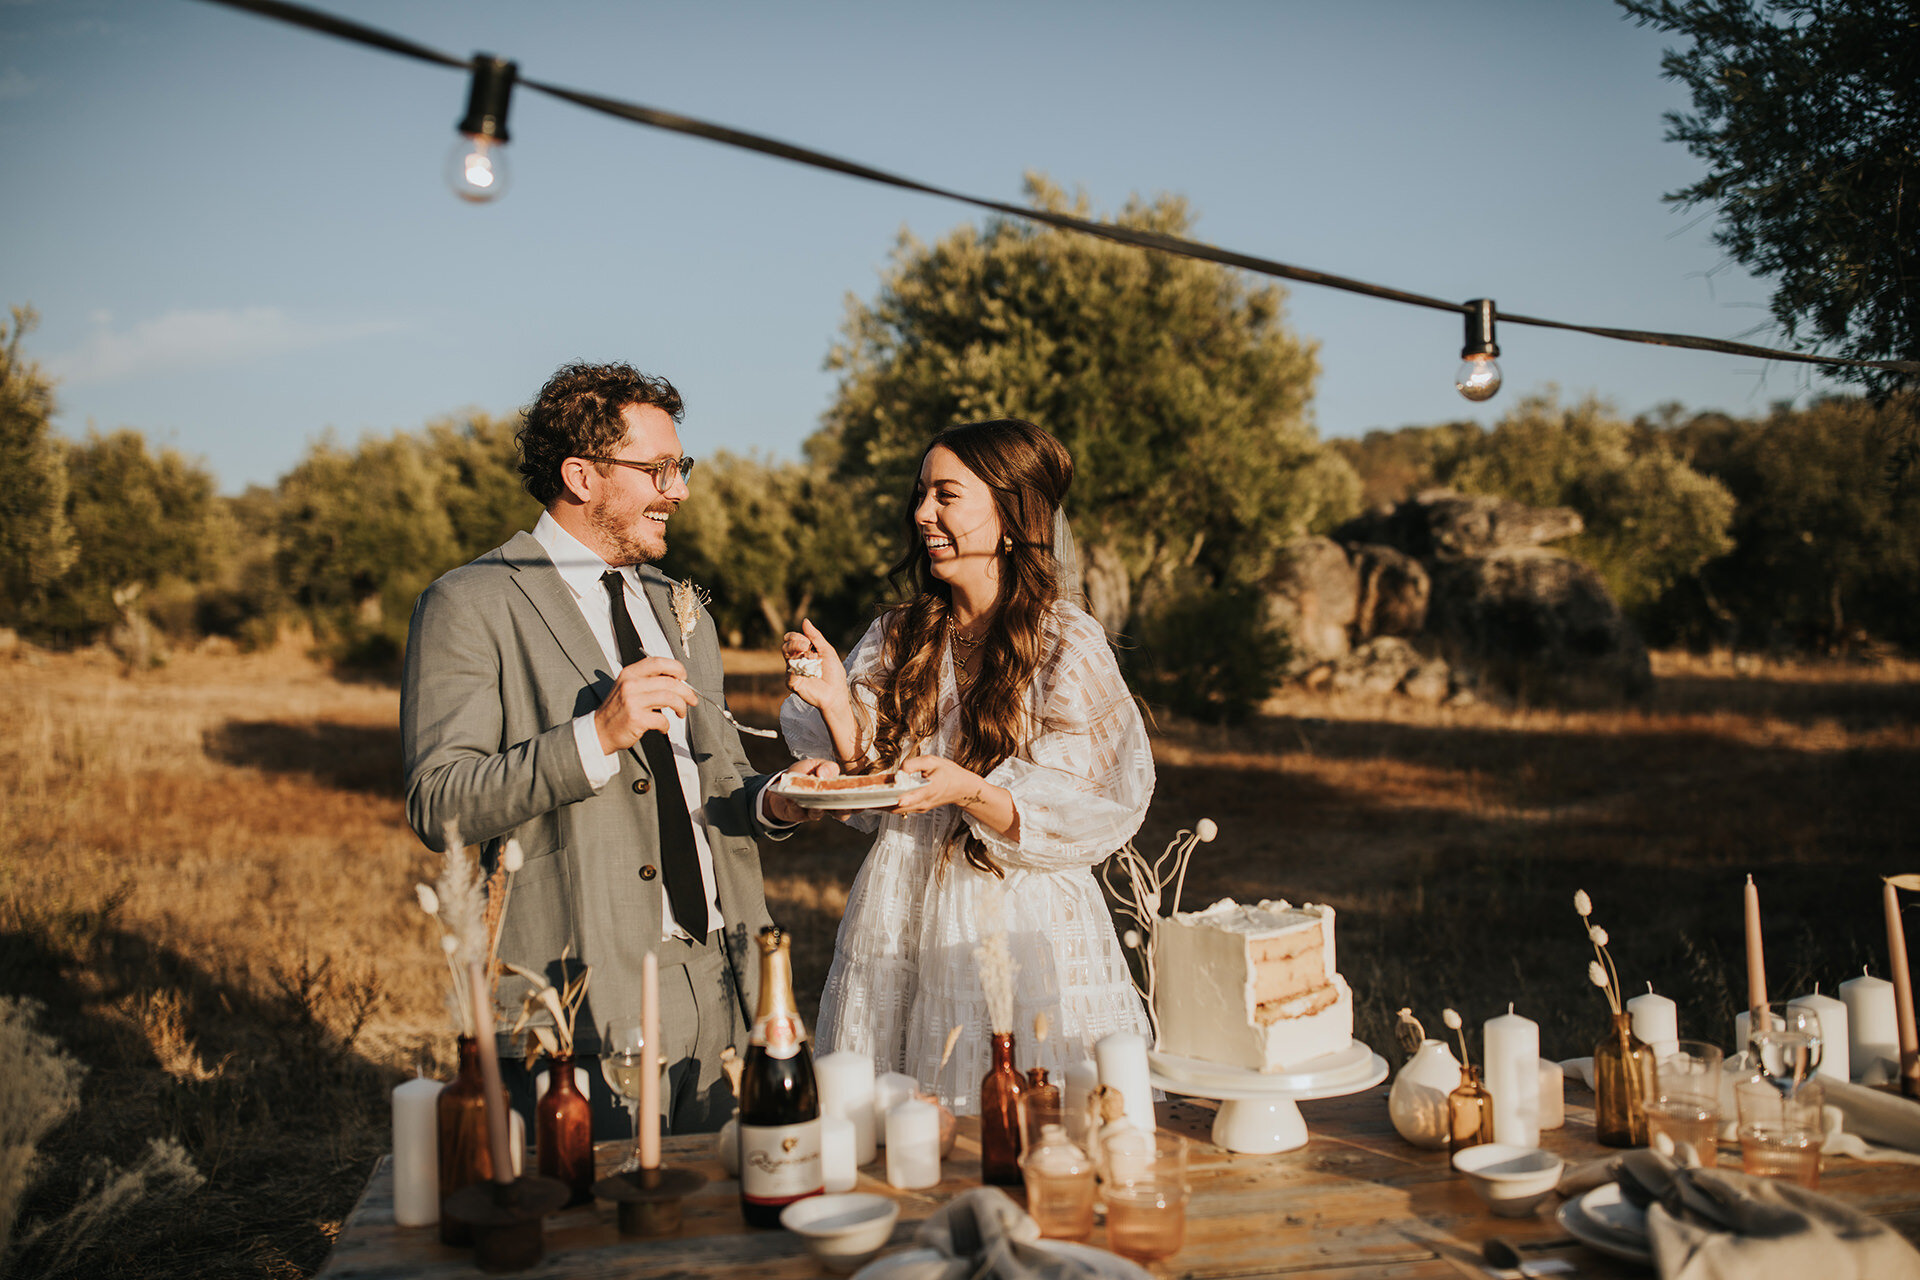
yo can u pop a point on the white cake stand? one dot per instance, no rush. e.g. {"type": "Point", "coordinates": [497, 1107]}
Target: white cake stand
{"type": "Point", "coordinates": [1257, 1113]}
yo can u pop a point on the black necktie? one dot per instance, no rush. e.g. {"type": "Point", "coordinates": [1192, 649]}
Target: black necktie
{"type": "Point", "coordinates": [679, 862]}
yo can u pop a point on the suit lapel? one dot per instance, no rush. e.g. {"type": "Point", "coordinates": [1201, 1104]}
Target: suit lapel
{"type": "Point", "coordinates": [551, 598]}
{"type": "Point", "coordinates": [660, 596]}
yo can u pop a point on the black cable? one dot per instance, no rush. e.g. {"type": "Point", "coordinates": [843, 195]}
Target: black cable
{"type": "Point", "coordinates": [327, 24]}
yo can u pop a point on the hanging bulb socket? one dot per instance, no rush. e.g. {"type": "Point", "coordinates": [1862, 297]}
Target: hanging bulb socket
{"type": "Point", "coordinates": [1478, 376]}
{"type": "Point", "coordinates": [477, 166]}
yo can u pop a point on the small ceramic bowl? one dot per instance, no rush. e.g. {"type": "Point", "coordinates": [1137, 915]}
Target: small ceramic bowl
{"type": "Point", "coordinates": [1514, 1181]}
{"type": "Point", "coordinates": [843, 1231]}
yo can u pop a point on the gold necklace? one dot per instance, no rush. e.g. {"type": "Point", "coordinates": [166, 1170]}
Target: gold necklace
{"type": "Point", "coordinates": [959, 640]}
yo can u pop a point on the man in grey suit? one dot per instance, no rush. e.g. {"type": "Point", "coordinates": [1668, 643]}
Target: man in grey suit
{"type": "Point", "coordinates": [550, 697]}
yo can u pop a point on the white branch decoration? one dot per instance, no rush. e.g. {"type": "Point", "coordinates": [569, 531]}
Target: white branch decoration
{"type": "Point", "coordinates": [1139, 888]}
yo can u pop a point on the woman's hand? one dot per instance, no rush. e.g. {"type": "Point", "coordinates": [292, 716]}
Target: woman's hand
{"type": "Point", "coordinates": [949, 783]}
{"type": "Point", "coordinates": [828, 690]}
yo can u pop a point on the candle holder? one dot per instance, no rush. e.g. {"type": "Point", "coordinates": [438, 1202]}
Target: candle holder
{"type": "Point", "coordinates": [647, 1201]}
{"type": "Point", "coordinates": [504, 1219]}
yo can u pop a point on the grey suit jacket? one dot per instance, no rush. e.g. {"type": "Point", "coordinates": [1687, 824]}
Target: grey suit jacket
{"type": "Point", "coordinates": [499, 662]}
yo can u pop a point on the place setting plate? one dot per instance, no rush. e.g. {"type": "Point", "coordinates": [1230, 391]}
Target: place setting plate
{"type": "Point", "coordinates": [882, 795]}
{"type": "Point", "coordinates": [1604, 1220]}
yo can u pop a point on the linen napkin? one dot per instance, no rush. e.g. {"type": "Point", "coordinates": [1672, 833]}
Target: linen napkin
{"type": "Point", "coordinates": [985, 1235]}
{"type": "Point", "coordinates": [1715, 1224]}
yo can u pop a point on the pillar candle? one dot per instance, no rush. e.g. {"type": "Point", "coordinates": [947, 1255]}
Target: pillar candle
{"type": "Point", "coordinates": [913, 1144]}
{"type": "Point", "coordinates": [1756, 962]}
{"type": "Point", "coordinates": [889, 1091]}
{"type": "Point", "coordinates": [499, 1141]}
{"type": "Point", "coordinates": [1835, 1052]}
{"type": "Point", "coordinates": [650, 1080]}
{"type": "Point", "coordinates": [1083, 1078]}
{"type": "Point", "coordinates": [1902, 991]}
{"type": "Point", "coordinates": [837, 1161]}
{"type": "Point", "coordinates": [1121, 1060]}
{"type": "Point", "coordinates": [416, 1153]}
{"type": "Point", "coordinates": [1511, 1045]}
{"type": "Point", "coordinates": [1656, 1020]}
{"type": "Point", "coordinates": [1873, 1036]}
{"type": "Point", "coordinates": [846, 1090]}
{"type": "Point", "coordinates": [1553, 1094]}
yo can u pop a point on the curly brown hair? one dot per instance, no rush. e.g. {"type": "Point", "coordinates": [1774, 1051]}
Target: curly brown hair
{"type": "Point", "coordinates": [1028, 472]}
{"type": "Point", "coordinates": [577, 414]}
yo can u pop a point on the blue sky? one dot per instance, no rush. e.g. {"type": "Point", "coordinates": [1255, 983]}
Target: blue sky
{"type": "Point", "coordinates": [238, 238]}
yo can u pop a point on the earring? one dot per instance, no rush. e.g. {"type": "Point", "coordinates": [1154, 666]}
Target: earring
{"type": "Point", "coordinates": [1006, 544]}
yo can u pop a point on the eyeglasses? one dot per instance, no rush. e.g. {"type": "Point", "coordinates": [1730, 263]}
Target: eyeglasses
{"type": "Point", "coordinates": [664, 472]}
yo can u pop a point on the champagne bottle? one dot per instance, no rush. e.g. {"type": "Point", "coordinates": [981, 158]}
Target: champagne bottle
{"type": "Point", "coordinates": [779, 1103]}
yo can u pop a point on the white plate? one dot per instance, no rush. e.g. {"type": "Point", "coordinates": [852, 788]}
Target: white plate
{"type": "Point", "coordinates": [919, 1264]}
{"type": "Point", "coordinates": [883, 796]}
{"type": "Point", "coordinates": [1350, 1065]}
{"type": "Point", "coordinates": [1604, 1220]}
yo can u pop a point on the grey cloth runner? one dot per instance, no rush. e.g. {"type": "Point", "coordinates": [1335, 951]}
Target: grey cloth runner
{"type": "Point", "coordinates": [985, 1235]}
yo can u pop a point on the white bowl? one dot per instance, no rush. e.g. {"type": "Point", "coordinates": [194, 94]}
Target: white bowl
{"type": "Point", "coordinates": [842, 1231]}
{"type": "Point", "coordinates": [1512, 1180]}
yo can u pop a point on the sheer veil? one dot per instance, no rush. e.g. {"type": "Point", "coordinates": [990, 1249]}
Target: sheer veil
{"type": "Point", "coordinates": [1066, 560]}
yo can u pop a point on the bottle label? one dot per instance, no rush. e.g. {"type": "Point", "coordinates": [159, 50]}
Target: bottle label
{"type": "Point", "coordinates": [780, 1034]}
{"type": "Point", "coordinates": [780, 1163]}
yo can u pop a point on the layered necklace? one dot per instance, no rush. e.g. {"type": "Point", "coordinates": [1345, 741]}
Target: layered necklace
{"type": "Point", "coordinates": [965, 653]}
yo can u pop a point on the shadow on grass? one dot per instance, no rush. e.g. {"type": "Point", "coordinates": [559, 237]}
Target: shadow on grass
{"type": "Point", "coordinates": [352, 757]}
{"type": "Point", "coordinates": [262, 1086]}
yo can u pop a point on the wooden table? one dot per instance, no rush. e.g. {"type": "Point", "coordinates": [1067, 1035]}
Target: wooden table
{"type": "Point", "coordinates": [1355, 1201]}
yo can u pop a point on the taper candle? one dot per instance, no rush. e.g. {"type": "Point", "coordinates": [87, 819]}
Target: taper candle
{"type": "Point", "coordinates": [499, 1144]}
{"type": "Point", "coordinates": [650, 1075]}
{"type": "Point", "coordinates": [416, 1152]}
{"type": "Point", "coordinates": [1756, 961]}
{"type": "Point", "coordinates": [1873, 1035]}
{"type": "Point", "coordinates": [1902, 992]}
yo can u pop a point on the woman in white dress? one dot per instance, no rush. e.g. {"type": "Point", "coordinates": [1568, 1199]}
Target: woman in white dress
{"type": "Point", "coordinates": [1006, 695]}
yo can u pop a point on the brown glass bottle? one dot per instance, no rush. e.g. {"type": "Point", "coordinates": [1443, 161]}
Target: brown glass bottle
{"type": "Point", "coordinates": [1039, 1107]}
{"type": "Point", "coordinates": [779, 1102]}
{"type": "Point", "coordinates": [1622, 1083]}
{"type": "Point", "coordinates": [464, 1158]}
{"type": "Point", "coordinates": [1000, 1095]}
{"type": "Point", "coordinates": [563, 1128]}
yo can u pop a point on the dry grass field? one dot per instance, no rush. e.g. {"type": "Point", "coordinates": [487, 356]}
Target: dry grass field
{"type": "Point", "coordinates": [206, 882]}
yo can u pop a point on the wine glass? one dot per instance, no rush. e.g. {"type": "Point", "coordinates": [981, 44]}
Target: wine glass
{"type": "Point", "coordinates": [1785, 1043]}
{"type": "Point", "coordinates": [623, 1056]}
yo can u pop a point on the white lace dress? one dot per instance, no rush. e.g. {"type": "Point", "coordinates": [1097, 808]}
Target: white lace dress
{"type": "Point", "coordinates": [903, 971]}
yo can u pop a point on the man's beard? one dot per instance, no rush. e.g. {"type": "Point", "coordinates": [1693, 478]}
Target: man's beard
{"type": "Point", "coordinates": [627, 534]}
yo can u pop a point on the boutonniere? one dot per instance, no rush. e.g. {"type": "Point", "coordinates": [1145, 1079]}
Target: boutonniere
{"type": "Point", "coordinates": [688, 600]}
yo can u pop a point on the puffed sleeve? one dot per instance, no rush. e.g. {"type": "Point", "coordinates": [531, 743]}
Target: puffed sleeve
{"type": "Point", "coordinates": [801, 723]}
{"type": "Point", "coordinates": [1082, 787]}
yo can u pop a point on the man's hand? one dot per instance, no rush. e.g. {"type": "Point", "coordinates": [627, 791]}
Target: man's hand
{"type": "Point", "coordinates": [642, 696]}
{"type": "Point", "coordinates": [781, 809]}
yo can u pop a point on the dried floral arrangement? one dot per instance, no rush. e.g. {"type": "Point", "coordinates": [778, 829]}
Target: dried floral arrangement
{"type": "Point", "coordinates": [1600, 970]}
{"type": "Point", "coordinates": [561, 1004]}
{"type": "Point", "coordinates": [1140, 887]}
{"type": "Point", "coordinates": [1454, 1025]}
{"type": "Point", "coordinates": [470, 912]}
{"type": "Point", "coordinates": [994, 958]}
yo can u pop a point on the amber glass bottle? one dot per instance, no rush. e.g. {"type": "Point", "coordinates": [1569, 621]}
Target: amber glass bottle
{"type": "Point", "coordinates": [563, 1128]}
{"type": "Point", "coordinates": [464, 1158]}
{"type": "Point", "coordinates": [1000, 1094]}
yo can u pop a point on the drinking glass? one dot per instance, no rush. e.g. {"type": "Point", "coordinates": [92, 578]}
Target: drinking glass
{"type": "Point", "coordinates": [1683, 1116]}
{"type": "Point", "coordinates": [1146, 1194]}
{"type": "Point", "coordinates": [1780, 1133]}
{"type": "Point", "coordinates": [1785, 1042]}
{"type": "Point", "coordinates": [623, 1056]}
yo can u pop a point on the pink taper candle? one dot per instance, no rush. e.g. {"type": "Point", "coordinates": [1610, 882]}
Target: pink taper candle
{"type": "Point", "coordinates": [1902, 994]}
{"type": "Point", "coordinates": [499, 1145]}
{"type": "Point", "coordinates": [650, 1069]}
{"type": "Point", "coordinates": [1756, 963]}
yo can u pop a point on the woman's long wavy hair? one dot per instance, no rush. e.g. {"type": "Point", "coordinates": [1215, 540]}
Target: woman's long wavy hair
{"type": "Point", "coordinates": [1028, 472]}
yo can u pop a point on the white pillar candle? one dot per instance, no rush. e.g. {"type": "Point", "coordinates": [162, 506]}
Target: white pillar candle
{"type": "Point", "coordinates": [1656, 1021]}
{"type": "Point", "coordinates": [913, 1145]}
{"type": "Point", "coordinates": [889, 1091]}
{"type": "Point", "coordinates": [1121, 1060]}
{"type": "Point", "coordinates": [846, 1090]}
{"type": "Point", "coordinates": [416, 1152]}
{"type": "Point", "coordinates": [836, 1152]}
{"type": "Point", "coordinates": [1083, 1078]}
{"type": "Point", "coordinates": [1553, 1094]}
{"type": "Point", "coordinates": [1512, 1048]}
{"type": "Point", "coordinates": [1872, 1034]}
{"type": "Point", "coordinates": [582, 1080]}
{"type": "Point", "coordinates": [1835, 1054]}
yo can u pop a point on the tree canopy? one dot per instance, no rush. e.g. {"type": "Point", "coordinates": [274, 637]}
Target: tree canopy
{"type": "Point", "coordinates": [36, 541]}
{"type": "Point", "coordinates": [1806, 114]}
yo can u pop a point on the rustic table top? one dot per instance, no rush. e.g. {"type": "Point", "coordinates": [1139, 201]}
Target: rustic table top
{"type": "Point", "coordinates": [1355, 1201]}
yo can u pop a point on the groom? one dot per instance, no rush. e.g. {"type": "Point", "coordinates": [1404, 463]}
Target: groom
{"type": "Point", "coordinates": [554, 696]}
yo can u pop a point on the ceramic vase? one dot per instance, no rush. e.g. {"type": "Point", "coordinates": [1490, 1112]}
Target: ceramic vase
{"type": "Point", "coordinates": [1417, 1103]}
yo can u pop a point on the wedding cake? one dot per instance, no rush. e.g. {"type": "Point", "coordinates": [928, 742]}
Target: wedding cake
{"type": "Point", "coordinates": [1251, 986]}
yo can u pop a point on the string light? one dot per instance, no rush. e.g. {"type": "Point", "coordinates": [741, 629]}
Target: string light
{"type": "Point", "coordinates": [477, 166]}
{"type": "Point", "coordinates": [1478, 377]}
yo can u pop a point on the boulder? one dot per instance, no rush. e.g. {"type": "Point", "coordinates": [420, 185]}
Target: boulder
{"type": "Point", "coordinates": [1108, 588]}
{"type": "Point", "coordinates": [1313, 594]}
{"type": "Point", "coordinates": [1539, 625]}
{"type": "Point", "coordinates": [1377, 666]}
{"type": "Point", "coordinates": [1440, 524]}
{"type": "Point", "coordinates": [1393, 595]}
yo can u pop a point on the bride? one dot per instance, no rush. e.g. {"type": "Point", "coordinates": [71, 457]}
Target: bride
{"type": "Point", "coordinates": [1006, 696]}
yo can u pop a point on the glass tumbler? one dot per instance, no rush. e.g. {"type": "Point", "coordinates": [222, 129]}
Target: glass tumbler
{"type": "Point", "coordinates": [1780, 1133]}
{"type": "Point", "coordinates": [1683, 1116]}
{"type": "Point", "coordinates": [1146, 1194]}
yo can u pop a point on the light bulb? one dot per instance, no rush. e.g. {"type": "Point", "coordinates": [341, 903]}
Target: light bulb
{"type": "Point", "coordinates": [1478, 377]}
{"type": "Point", "coordinates": [477, 168]}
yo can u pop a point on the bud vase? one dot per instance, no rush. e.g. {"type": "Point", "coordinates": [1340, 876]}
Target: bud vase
{"type": "Point", "coordinates": [563, 1124]}
{"type": "Point", "coordinates": [464, 1158]}
{"type": "Point", "coordinates": [1469, 1112]}
{"type": "Point", "coordinates": [1000, 1094]}
{"type": "Point", "coordinates": [1622, 1083]}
